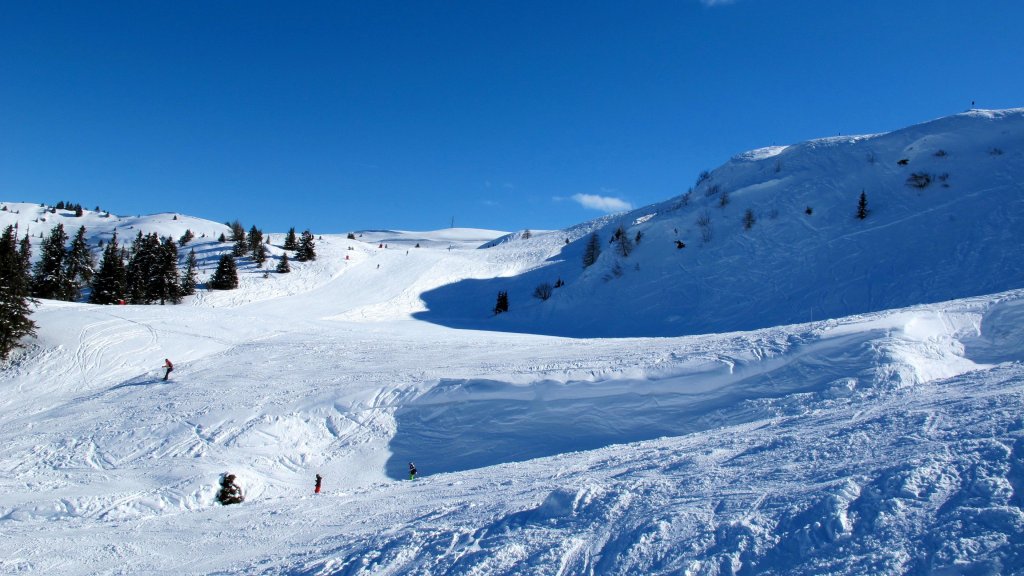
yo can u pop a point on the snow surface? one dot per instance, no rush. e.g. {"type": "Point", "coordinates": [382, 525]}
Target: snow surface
{"type": "Point", "coordinates": [884, 436]}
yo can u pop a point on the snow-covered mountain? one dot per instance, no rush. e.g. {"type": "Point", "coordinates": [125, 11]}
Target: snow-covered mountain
{"type": "Point", "coordinates": [945, 220]}
{"type": "Point", "coordinates": [867, 422]}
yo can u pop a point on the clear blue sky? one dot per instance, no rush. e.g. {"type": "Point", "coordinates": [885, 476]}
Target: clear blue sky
{"type": "Point", "coordinates": [347, 115]}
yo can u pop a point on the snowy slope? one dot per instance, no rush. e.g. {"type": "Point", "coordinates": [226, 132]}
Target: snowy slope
{"type": "Point", "coordinates": [887, 441]}
{"type": "Point", "coordinates": [962, 235]}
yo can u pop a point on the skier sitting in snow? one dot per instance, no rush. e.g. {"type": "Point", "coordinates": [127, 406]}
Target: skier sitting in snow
{"type": "Point", "coordinates": [412, 471]}
{"type": "Point", "coordinates": [229, 492]}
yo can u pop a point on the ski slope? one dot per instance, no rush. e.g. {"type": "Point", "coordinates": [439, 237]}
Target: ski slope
{"type": "Point", "coordinates": [882, 441]}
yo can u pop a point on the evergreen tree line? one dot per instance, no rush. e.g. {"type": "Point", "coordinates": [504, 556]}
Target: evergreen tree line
{"type": "Point", "coordinates": [15, 291]}
{"type": "Point", "coordinates": [145, 273]}
{"type": "Point", "coordinates": [69, 206]}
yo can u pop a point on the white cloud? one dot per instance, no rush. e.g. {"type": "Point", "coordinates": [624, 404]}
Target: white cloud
{"type": "Point", "coordinates": [603, 203]}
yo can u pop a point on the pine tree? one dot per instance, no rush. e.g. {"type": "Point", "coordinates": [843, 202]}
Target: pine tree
{"type": "Point", "coordinates": [241, 247]}
{"type": "Point", "coordinates": [259, 254]}
{"type": "Point", "coordinates": [79, 265]}
{"type": "Point", "coordinates": [189, 279]}
{"type": "Point", "coordinates": [146, 282]}
{"type": "Point", "coordinates": [862, 206]}
{"type": "Point", "coordinates": [109, 285]}
{"type": "Point", "coordinates": [255, 239]}
{"type": "Point", "coordinates": [25, 254]}
{"type": "Point", "coordinates": [186, 237]}
{"type": "Point", "coordinates": [623, 243]}
{"type": "Point", "coordinates": [748, 219]}
{"type": "Point", "coordinates": [49, 275]}
{"type": "Point", "coordinates": [282, 266]}
{"type": "Point", "coordinates": [237, 231]}
{"type": "Point", "coordinates": [290, 243]}
{"type": "Point", "coordinates": [226, 275]}
{"type": "Point", "coordinates": [166, 286]}
{"type": "Point", "coordinates": [15, 300]}
{"type": "Point", "coordinates": [307, 248]}
{"type": "Point", "coordinates": [135, 276]}
{"type": "Point", "coordinates": [592, 251]}
{"type": "Point", "coordinates": [138, 269]}
{"type": "Point", "coordinates": [502, 303]}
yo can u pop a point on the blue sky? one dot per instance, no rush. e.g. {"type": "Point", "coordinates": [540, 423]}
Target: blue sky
{"type": "Point", "coordinates": [345, 115]}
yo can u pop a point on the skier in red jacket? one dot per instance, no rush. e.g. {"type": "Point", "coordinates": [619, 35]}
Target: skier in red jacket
{"type": "Point", "coordinates": [169, 367]}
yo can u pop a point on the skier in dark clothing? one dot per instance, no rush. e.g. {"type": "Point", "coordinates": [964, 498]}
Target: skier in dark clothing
{"type": "Point", "coordinates": [229, 492]}
{"type": "Point", "coordinates": [316, 489]}
{"type": "Point", "coordinates": [412, 471]}
{"type": "Point", "coordinates": [169, 367]}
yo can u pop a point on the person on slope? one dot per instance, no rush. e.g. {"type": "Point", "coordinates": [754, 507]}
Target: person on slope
{"type": "Point", "coordinates": [412, 471]}
{"type": "Point", "coordinates": [316, 489]}
{"type": "Point", "coordinates": [229, 492]}
{"type": "Point", "coordinates": [169, 367]}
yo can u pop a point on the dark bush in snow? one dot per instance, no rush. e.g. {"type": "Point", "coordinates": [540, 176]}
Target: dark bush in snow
{"type": "Point", "coordinates": [919, 180]}
{"type": "Point", "coordinates": [543, 291]}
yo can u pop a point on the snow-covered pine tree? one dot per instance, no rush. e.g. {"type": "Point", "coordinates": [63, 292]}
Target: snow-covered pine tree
{"type": "Point", "coordinates": [15, 300]}
{"type": "Point", "coordinates": [189, 278]}
{"type": "Point", "coordinates": [307, 248]}
{"type": "Point", "coordinates": [186, 237]}
{"type": "Point", "coordinates": [49, 277]}
{"type": "Point", "coordinates": [110, 284]}
{"type": "Point", "coordinates": [592, 250]}
{"type": "Point", "coordinates": [226, 275]}
{"type": "Point", "coordinates": [79, 265]}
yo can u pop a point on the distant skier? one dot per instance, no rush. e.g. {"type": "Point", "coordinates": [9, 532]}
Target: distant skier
{"type": "Point", "coordinates": [316, 489]}
{"type": "Point", "coordinates": [229, 492]}
{"type": "Point", "coordinates": [169, 367]}
{"type": "Point", "coordinates": [412, 471]}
